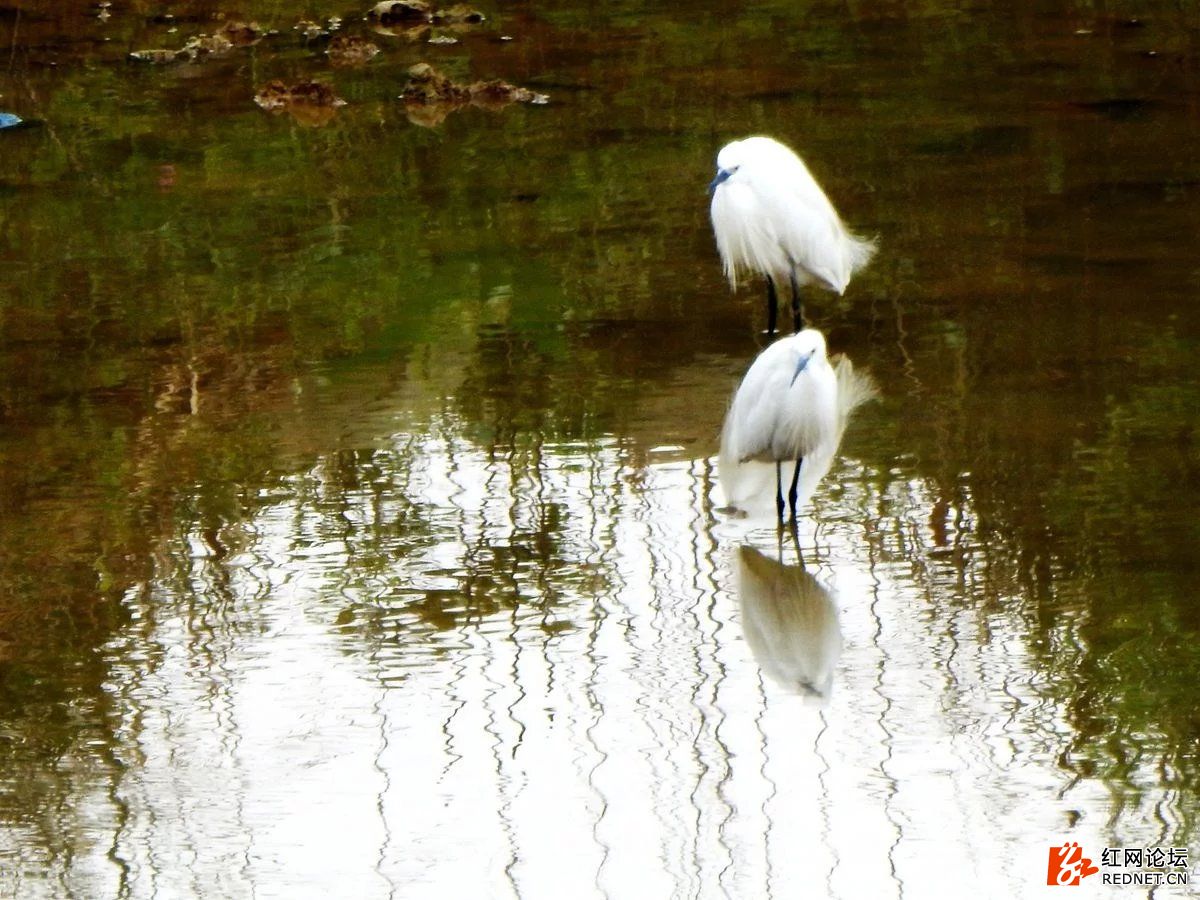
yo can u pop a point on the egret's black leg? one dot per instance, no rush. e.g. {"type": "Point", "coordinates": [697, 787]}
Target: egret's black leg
{"type": "Point", "coordinates": [779, 490]}
{"type": "Point", "coordinates": [772, 305]}
{"type": "Point", "coordinates": [792, 489]}
{"type": "Point", "coordinates": [797, 310]}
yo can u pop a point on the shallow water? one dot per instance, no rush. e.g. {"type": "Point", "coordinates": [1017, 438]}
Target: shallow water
{"type": "Point", "coordinates": [359, 510]}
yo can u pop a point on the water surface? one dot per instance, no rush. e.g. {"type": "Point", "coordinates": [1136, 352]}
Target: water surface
{"type": "Point", "coordinates": [359, 530]}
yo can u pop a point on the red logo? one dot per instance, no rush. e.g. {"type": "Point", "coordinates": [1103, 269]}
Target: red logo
{"type": "Point", "coordinates": [1068, 865]}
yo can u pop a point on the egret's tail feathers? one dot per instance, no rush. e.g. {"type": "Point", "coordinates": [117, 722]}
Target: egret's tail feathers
{"type": "Point", "coordinates": [860, 251]}
{"type": "Point", "coordinates": [854, 387]}
{"type": "Point", "coordinates": [854, 253]}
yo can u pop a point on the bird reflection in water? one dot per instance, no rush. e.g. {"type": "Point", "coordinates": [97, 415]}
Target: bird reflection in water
{"type": "Point", "coordinates": [790, 622]}
{"type": "Point", "coordinates": [792, 406]}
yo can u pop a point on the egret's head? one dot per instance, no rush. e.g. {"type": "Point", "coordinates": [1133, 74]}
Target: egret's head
{"type": "Point", "coordinates": [730, 156]}
{"type": "Point", "coordinates": [758, 153]}
{"type": "Point", "coordinates": [807, 346]}
{"type": "Point", "coordinates": [729, 160]}
{"type": "Point", "coordinates": [762, 155]}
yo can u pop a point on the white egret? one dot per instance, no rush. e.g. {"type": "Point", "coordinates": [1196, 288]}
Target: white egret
{"type": "Point", "coordinates": [793, 406]}
{"type": "Point", "coordinates": [771, 217]}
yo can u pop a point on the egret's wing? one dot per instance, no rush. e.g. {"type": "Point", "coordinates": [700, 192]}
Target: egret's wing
{"type": "Point", "coordinates": [792, 182]}
{"type": "Point", "coordinates": [747, 432]}
{"type": "Point", "coordinates": [753, 416]}
{"type": "Point", "coordinates": [811, 234]}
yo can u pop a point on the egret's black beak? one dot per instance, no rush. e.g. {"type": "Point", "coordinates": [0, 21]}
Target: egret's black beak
{"type": "Point", "coordinates": [799, 368]}
{"type": "Point", "coordinates": [722, 174]}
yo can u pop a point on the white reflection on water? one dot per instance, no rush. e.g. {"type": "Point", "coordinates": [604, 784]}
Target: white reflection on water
{"type": "Point", "coordinates": [441, 674]}
{"type": "Point", "coordinates": [790, 621]}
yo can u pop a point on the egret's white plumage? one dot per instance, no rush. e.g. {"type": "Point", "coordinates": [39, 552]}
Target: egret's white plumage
{"type": "Point", "coordinates": [792, 406]}
{"type": "Point", "coordinates": [786, 406]}
{"type": "Point", "coordinates": [770, 217]}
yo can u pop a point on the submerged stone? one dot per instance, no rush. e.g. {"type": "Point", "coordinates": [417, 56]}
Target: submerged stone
{"type": "Point", "coordinates": [430, 96]}
{"type": "Point", "coordinates": [410, 13]}
{"type": "Point", "coordinates": [220, 42]}
{"type": "Point", "coordinates": [351, 50]}
{"type": "Point", "coordinates": [501, 93]}
{"type": "Point", "coordinates": [241, 34]}
{"type": "Point", "coordinates": [393, 12]}
{"type": "Point", "coordinates": [156, 56]}
{"type": "Point", "coordinates": [310, 103]}
{"type": "Point", "coordinates": [428, 85]}
{"type": "Point", "coordinates": [207, 45]}
{"type": "Point", "coordinates": [458, 14]}
{"type": "Point", "coordinates": [277, 95]}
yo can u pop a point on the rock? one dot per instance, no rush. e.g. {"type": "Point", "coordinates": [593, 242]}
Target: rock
{"type": "Point", "coordinates": [459, 14]}
{"type": "Point", "coordinates": [501, 93]}
{"type": "Point", "coordinates": [241, 34]}
{"type": "Point", "coordinates": [428, 85]}
{"type": "Point", "coordinates": [351, 50]}
{"type": "Point", "coordinates": [207, 45]}
{"type": "Point", "coordinates": [308, 102]}
{"type": "Point", "coordinates": [157, 57]}
{"type": "Point", "coordinates": [230, 35]}
{"type": "Point", "coordinates": [430, 96]}
{"type": "Point", "coordinates": [396, 12]}
{"type": "Point", "coordinates": [276, 95]}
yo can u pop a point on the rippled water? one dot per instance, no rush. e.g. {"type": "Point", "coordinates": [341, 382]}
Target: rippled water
{"type": "Point", "coordinates": [360, 529]}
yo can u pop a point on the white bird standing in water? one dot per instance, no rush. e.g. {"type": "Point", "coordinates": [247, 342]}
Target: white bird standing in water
{"type": "Point", "coordinates": [771, 217]}
{"type": "Point", "coordinates": [792, 406]}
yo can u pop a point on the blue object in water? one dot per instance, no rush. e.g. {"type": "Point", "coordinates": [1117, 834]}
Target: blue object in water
{"type": "Point", "coordinates": [8, 120]}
